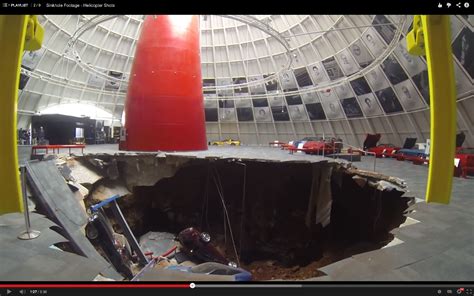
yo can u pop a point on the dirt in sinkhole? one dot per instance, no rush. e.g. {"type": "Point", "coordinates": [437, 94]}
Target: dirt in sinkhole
{"type": "Point", "coordinates": [269, 228]}
{"type": "Point", "coordinates": [271, 269]}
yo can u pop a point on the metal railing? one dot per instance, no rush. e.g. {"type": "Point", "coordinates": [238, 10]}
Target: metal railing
{"type": "Point", "coordinates": [357, 149]}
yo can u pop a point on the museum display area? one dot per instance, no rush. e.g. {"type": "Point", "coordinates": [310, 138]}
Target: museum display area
{"type": "Point", "coordinates": [241, 148]}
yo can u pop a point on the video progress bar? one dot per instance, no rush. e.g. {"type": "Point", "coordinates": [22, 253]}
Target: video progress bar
{"type": "Point", "coordinates": [434, 285]}
{"type": "Point", "coordinates": [246, 286]}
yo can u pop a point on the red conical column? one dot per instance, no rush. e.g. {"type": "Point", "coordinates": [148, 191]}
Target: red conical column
{"type": "Point", "coordinates": [164, 107]}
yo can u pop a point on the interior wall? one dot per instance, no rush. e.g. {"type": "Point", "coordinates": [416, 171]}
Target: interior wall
{"type": "Point", "coordinates": [394, 129]}
{"type": "Point", "coordinates": [233, 52]}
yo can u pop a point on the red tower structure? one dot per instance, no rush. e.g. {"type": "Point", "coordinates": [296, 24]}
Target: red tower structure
{"type": "Point", "coordinates": [164, 106]}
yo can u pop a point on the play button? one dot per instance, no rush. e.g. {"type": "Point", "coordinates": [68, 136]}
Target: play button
{"type": "Point", "coordinates": [8, 291]}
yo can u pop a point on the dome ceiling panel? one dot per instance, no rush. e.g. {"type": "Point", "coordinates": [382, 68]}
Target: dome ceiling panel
{"type": "Point", "coordinates": [34, 85]}
{"type": "Point", "coordinates": [373, 41]}
{"type": "Point", "coordinates": [30, 103]}
{"type": "Point", "coordinates": [377, 79]}
{"type": "Point", "coordinates": [408, 95]}
{"type": "Point", "coordinates": [324, 49]}
{"type": "Point", "coordinates": [310, 53]}
{"type": "Point", "coordinates": [361, 53]}
{"type": "Point", "coordinates": [463, 83]}
{"type": "Point", "coordinates": [335, 41]}
{"type": "Point", "coordinates": [347, 62]}
{"type": "Point", "coordinates": [349, 35]}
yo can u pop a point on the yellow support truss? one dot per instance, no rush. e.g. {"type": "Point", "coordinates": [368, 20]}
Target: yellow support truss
{"type": "Point", "coordinates": [431, 35]}
{"type": "Point", "coordinates": [17, 32]}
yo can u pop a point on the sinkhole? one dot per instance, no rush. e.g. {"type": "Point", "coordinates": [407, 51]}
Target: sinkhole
{"type": "Point", "coordinates": [280, 220]}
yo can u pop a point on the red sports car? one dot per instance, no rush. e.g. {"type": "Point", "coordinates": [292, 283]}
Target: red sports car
{"type": "Point", "coordinates": [466, 160]}
{"type": "Point", "coordinates": [322, 147]}
{"type": "Point", "coordinates": [295, 144]}
{"type": "Point", "coordinates": [384, 150]}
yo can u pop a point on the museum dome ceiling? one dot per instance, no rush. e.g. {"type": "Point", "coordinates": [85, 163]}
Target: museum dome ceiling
{"type": "Point", "coordinates": [254, 68]}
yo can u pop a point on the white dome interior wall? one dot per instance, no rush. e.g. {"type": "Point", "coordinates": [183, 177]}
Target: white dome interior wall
{"type": "Point", "coordinates": [234, 52]}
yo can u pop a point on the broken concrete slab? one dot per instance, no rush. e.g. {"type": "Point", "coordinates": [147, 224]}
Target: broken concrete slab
{"type": "Point", "coordinates": [144, 169]}
{"type": "Point", "coordinates": [82, 190]}
{"type": "Point", "coordinates": [107, 188]}
{"type": "Point", "coordinates": [112, 170]}
{"type": "Point", "coordinates": [45, 264]}
{"type": "Point", "coordinates": [62, 207]}
{"type": "Point", "coordinates": [30, 260]}
{"type": "Point", "coordinates": [65, 171]}
{"type": "Point", "coordinates": [360, 181]}
{"type": "Point", "coordinates": [83, 174]}
{"type": "Point", "coordinates": [50, 157]}
{"type": "Point", "coordinates": [147, 171]}
{"type": "Point", "coordinates": [157, 242]}
{"type": "Point", "coordinates": [377, 176]}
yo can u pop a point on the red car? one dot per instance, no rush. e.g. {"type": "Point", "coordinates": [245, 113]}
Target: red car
{"type": "Point", "coordinates": [384, 150]}
{"type": "Point", "coordinates": [466, 160]}
{"type": "Point", "coordinates": [322, 147]}
{"type": "Point", "coordinates": [294, 144]}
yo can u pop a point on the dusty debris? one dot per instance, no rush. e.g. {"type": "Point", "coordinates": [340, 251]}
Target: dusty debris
{"type": "Point", "coordinates": [112, 170]}
{"type": "Point", "coordinates": [107, 168]}
{"type": "Point", "coordinates": [360, 181]}
{"type": "Point", "coordinates": [65, 171]}
{"type": "Point", "coordinates": [147, 171]}
{"type": "Point", "coordinates": [97, 162]}
{"type": "Point", "coordinates": [165, 263]}
{"type": "Point", "coordinates": [377, 176]}
{"type": "Point", "coordinates": [80, 199]}
{"type": "Point", "coordinates": [82, 190]}
{"type": "Point", "coordinates": [50, 157]}
{"type": "Point", "coordinates": [157, 242]}
{"type": "Point", "coordinates": [270, 263]}
{"type": "Point", "coordinates": [108, 188]}
{"type": "Point", "coordinates": [135, 169]}
{"type": "Point", "coordinates": [262, 272]}
{"type": "Point", "coordinates": [83, 174]}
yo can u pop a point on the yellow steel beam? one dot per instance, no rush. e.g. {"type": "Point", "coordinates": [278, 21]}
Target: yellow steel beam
{"type": "Point", "coordinates": [437, 34]}
{"type": "Point", "coordinates": [431, 35]}
{"type": "Point", "coordinates": [12, 41]}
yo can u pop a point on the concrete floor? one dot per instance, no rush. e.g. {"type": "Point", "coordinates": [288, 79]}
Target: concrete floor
{"type": "Point", "coordinates": [239, 152]}
{"type": "Point", "coordinates": [435, 244]}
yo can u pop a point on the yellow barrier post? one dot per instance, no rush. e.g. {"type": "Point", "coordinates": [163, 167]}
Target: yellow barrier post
{"type": "Point", "coordinates": [439, 58]}
{"type": "Point", "coordinates": [431, 35]}
{"type": "Point", "coordinates": [12, 39]}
